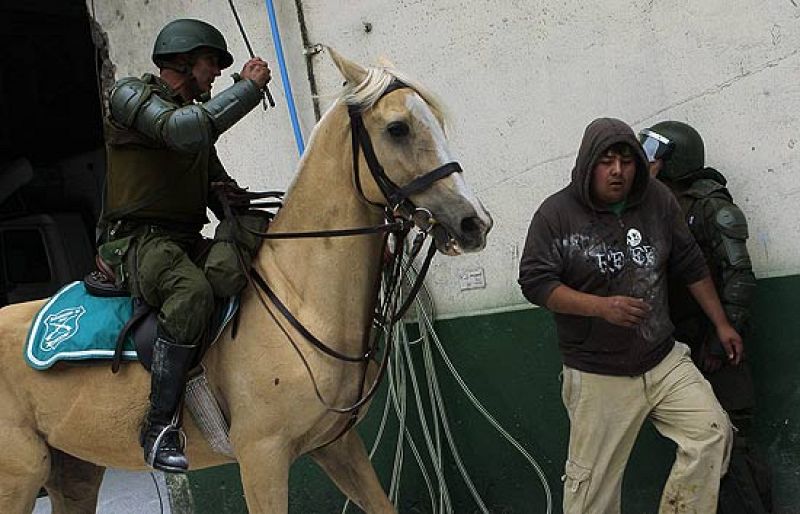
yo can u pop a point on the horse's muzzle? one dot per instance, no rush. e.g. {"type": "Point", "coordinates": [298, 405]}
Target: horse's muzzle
{"type": "Point", "coordinates": [464, 234]}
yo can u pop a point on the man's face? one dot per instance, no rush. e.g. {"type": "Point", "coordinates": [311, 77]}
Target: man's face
{"type": "Point", "coordinates": [655, 167]}
{"type": "Point", "coordinates": [205, 70]}
{"type": "Point", "coordinates": [612, 177]}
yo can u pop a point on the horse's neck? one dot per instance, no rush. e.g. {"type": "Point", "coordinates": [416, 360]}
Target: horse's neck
{"type": "Point", "coordinates": [327, 282]}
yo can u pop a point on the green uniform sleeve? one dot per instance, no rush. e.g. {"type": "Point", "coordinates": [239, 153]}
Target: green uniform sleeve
{"type": "Point", "coordinates": [216, 173]}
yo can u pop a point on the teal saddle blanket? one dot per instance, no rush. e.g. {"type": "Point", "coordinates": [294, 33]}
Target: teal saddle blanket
{"type": "Point", "coordinates": [74, 325]}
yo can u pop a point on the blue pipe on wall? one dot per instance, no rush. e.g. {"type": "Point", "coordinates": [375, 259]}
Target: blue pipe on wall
{"type": "Point", "coordinates": [287, 86]}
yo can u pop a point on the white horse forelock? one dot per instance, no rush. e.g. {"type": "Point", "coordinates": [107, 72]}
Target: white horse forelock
{"type": "Point", "coordinates": [370, 90]}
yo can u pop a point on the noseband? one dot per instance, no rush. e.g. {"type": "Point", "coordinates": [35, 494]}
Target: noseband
{"type": "Point", "coordinates": [398, 198]}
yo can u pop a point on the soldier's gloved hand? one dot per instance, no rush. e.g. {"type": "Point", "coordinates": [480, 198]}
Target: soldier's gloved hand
{"type": "Point", "coordinates": [229, 192]}
{"type": "Point", "coordinates": [257, 70]}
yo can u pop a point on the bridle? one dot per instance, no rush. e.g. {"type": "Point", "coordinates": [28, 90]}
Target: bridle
{"type": "Point", "coordinates": [400, 214]}
{"type": "Point", "coordinates": [395, 195]}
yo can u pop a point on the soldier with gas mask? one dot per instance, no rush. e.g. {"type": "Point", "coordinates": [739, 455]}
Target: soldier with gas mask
{"type": "Point", "coordinates": [162, 167]}
{"type": "Point", "coordinates": [677, 158]}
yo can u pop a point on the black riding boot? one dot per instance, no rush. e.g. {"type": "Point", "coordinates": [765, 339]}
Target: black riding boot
{"type": "Point", "coordinates": [161, 434]}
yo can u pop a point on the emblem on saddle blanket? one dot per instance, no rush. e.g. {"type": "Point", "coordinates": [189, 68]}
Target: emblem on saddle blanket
{"type": "Point", "coordinates": [60, 327]}
{"type": "Point", "coordinates": [75, 325]}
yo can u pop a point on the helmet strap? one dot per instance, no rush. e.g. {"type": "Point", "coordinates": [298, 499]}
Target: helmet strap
{"type": "Point", "coordinates": [184, 67]}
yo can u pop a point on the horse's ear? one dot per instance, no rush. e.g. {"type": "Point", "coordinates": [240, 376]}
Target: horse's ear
{"type": "Point", "coordinates": [385, 62]}
{"type": "Point", "coordinates": [351, 71]}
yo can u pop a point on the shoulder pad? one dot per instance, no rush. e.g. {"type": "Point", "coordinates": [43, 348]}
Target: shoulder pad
{"type": "Point", "coordinates": [731, 221]}
{"type": "Point", "coordinates": [707, 188]}
{"type": "Point", "coordinates": [126, 99]}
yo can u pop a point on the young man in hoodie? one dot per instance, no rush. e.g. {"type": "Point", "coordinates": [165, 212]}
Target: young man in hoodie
{"type": "Point", "coordinates": [597, 255]}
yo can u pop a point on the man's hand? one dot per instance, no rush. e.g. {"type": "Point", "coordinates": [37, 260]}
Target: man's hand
{"type": "Point", "coordinates": [624, 311]}
{"type": "Point", "coordinates": [705, 294]}
{"type": "Point", "coordinates": [732, 342]}
{"type": "Point", "coordinates": [257, 70]}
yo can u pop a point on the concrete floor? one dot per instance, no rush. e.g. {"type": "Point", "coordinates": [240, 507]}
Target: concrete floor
{"type": "Point", "coordinates": [127, 492]}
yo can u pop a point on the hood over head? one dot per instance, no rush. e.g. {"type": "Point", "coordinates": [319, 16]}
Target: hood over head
{"type": "Point", "coordinates": [599, 136]}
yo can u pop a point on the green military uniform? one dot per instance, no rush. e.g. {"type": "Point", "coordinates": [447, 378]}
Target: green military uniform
{"type": "Point", "coordinates": [157, 196]}
{"type": "Point", "coordinates": [720, 229]}
{"type": "Point", "coordinates": [161, 164]}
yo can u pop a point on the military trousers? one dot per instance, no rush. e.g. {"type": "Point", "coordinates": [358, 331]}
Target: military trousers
{"type": "Point", "coordinates": [165, 276]}
{"type": "Point", "coordinates": [606, 413]}
{"type": "Point", "coordinates": [168, 274]}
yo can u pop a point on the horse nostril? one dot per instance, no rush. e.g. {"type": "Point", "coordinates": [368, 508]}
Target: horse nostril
{"type": "Point", "coordinates": [470, 225]}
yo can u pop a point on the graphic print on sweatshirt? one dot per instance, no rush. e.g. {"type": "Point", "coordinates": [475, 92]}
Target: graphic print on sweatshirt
{"type": "Point", "coordinates": [618, 259]}
{"type": "Point", "coordinates": [609, 254]}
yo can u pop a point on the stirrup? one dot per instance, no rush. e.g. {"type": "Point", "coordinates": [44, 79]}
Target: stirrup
{"type": "Point", "coordinates": [151, 457]}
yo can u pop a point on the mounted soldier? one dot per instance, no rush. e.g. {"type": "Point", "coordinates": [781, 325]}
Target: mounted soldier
{"type": "Point", "coordinates": [162, 167]}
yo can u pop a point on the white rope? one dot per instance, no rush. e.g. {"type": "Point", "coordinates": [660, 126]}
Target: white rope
{"type": "Point", "coordinates": [492, 421]}
{"type": "Point", "coordinates": [435, 423]}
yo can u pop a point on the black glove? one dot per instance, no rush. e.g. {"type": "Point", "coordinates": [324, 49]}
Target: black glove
{"type": "Point", "coordinates": [231, 195]}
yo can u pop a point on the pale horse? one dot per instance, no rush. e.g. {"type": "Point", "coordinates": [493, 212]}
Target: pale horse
{"type": "Point", "coordinates": [60, 428]}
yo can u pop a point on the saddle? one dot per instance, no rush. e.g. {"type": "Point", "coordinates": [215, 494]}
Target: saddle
{"type": "Point", "coordinates": [142, 326]}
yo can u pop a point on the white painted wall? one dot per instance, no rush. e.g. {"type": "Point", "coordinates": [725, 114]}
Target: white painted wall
{"type": "Point", "coordinates": [522, 79]}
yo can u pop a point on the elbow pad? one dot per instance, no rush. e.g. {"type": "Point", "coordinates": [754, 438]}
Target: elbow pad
{"type": "Point", "coordinates": [195, 127]}
{"type": "Point", "coordinates": [186, 129]}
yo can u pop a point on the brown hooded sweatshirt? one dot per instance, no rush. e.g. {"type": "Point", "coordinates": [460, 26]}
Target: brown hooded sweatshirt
{"type": "Point", "coordinates": [575, 241]}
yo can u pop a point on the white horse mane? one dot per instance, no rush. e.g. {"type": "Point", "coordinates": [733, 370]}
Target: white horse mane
{"type": "Point", "coordinates": [370, 90]}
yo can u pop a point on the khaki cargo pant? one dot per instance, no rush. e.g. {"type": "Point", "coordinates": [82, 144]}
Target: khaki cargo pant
{"type": "Point", "coordinates": [606, 413]}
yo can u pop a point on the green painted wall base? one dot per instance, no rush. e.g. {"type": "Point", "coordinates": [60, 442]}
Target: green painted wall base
{"type": "Point", "coordinates": [511, 363]}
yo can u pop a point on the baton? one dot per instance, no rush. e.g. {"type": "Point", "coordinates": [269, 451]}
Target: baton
{"type": "Point", "coordinates": [266, 91]}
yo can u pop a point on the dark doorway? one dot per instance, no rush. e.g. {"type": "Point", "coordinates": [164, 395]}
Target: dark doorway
{"type": "Point", "coordinates": [52, 162]}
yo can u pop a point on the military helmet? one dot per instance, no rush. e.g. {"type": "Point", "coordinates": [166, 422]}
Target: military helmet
{"type": "Point", "coordinates": [678, 145]}
{"type": "Point", "coordinates": [183, 36]}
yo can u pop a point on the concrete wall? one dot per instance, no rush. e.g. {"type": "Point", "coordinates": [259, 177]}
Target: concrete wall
{"type": "Point", "coordinates": [522, 79]}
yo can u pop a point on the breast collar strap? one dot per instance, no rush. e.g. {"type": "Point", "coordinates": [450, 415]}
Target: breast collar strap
{"type": "Point", "coordinates": [395, 195]}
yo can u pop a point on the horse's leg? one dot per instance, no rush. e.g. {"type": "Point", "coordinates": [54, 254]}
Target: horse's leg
{"type": "Point", "coordinates": [346, 462]}
{"type": "Point", "coordinates": [264, 467]}
{"type": "Point", "coordinates": [73, 484]}
{"type": "Point", "coordinates": [24, 466]}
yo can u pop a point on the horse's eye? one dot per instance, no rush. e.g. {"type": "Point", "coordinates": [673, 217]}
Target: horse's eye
{"type": "Point", "coordinates": [397, 129]}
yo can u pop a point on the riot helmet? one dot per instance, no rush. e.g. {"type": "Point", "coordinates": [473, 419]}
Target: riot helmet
{"type": "Point", "coordinates": [184, 35]}
{"type": "Point", "coordinates": [678, 145]}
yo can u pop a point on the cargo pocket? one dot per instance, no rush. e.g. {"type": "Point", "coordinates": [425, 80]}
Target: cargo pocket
{"type": "Point", "coordinates": [576, 486]}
